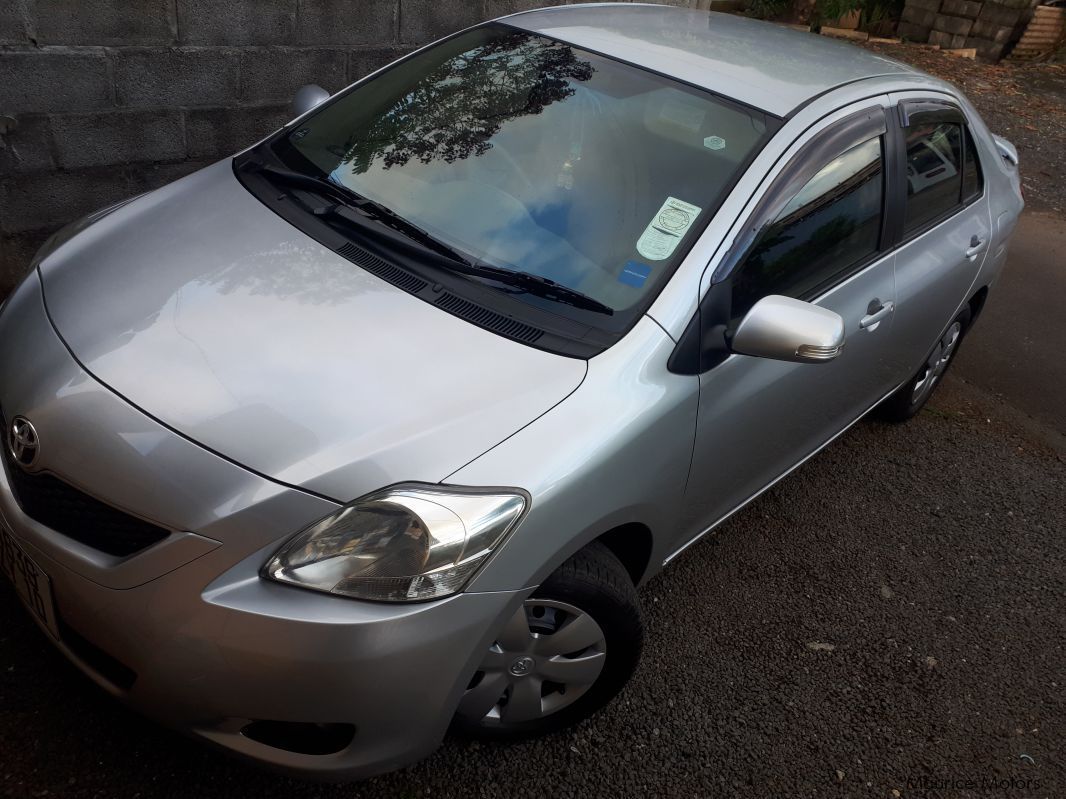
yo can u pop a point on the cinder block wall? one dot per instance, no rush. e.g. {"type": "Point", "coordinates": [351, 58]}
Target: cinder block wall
{"type": "Point", "coordinates": [104, 99]}
{"type": "Point", "coordinates": [990, 27]}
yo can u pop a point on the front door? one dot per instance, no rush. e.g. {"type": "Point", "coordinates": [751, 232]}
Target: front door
{"type": "Point", "coordinates": [821, 239]}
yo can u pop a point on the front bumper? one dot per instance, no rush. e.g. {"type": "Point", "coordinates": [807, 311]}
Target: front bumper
{"type": "Point", "coordinates": [186, 631]}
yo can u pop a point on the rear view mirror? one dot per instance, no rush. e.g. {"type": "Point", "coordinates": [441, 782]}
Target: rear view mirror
{"type": "Point", "coordinates": [307, 97]}
{"type": "Point", "coordinates": [785, 329]}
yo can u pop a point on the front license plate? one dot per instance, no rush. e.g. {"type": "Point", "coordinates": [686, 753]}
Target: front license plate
{"type": "Point", "coordinates": [33, 586]}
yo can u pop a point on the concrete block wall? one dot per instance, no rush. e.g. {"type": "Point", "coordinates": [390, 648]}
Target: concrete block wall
{"type": "Point", "coordinates": [990, 27]}
{"type": "Point", "coordinates": [104, 99]}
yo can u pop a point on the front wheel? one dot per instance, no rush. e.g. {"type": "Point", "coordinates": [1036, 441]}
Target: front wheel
{"type": "Point", "coordinates": [564, 654]}
{"type": "Point", "coordinates": [911, 397]}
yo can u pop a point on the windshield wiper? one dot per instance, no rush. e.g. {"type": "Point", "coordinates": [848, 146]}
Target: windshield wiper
{"type": "Point", "coordinates": [355, 209]}
{"type": "Point", "coordinates": [348, 199]}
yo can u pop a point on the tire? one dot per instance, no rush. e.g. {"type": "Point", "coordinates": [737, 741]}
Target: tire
{"type": "Point", "coordinates": [911, 397]}
{"type": "Point", "coordinates": [513, 695]}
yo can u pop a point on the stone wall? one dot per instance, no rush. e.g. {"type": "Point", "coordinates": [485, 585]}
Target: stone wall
{"type": "Point", "coordinates": [989, 27]}
{"type": "Point", "coordinates": [103, 99]}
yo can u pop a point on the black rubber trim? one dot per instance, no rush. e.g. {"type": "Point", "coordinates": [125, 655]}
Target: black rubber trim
{"type": "Point", "coordinates": [383, 269]}
{"type": "Point", "coordinates": [815, 97]}
{"type": "Point", "coordinates": [483, 317]}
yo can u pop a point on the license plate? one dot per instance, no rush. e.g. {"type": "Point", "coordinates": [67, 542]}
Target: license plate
{"type": "Point", "coordinates": [33, 586]}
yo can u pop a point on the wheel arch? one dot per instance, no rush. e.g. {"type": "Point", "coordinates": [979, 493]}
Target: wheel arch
{"type": "Point", "coordinates": [632, 544]}
{"type": "Point", "coordinates": [977, 303]}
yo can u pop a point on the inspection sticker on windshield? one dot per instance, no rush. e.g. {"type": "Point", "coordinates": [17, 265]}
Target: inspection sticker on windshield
{"type": "Point", "coordinates": [666, 229]}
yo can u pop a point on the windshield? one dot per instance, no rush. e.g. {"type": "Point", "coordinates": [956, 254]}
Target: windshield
{"type": "Point", "coordinates": [535, 156]}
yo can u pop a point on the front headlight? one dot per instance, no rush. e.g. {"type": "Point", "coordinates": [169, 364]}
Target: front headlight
{"type": "Point", "coordinates": [403, 544]}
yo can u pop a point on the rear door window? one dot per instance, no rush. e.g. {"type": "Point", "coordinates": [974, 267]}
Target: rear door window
{"type": "Point", "coordinates": [943, 167]}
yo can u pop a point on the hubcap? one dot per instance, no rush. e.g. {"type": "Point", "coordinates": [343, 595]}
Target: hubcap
{"type": "Point", "coordinates": [937, 364]}
{"type": "Point", "coordinates": [547, 656]}
{"type": "Point", "coordinates": [523, 666]}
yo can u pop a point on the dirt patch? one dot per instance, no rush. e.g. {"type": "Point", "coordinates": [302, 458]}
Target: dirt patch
{"type": "Point", "coordinates": [1024, 102]}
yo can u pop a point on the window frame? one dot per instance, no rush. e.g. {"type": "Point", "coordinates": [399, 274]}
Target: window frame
{"type": "Point", "coordinates": [934, 110]}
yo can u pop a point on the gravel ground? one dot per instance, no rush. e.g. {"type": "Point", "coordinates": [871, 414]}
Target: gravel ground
{"type": "Point", "coordinates": [893, 611]}
{"type": "Point", "coordinates": [1024, 102]}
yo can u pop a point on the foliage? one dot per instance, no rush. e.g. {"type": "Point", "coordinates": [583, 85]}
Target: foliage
{"type": "Point", "coordinates": [872, 13]}
{"type": "Point", "coordinates": [457, 108]}
{"type": "Point", "coordinates": [768, 9]}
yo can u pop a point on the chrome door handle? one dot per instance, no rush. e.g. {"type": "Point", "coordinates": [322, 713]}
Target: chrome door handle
{"type": "Point", "coordinates": [977, 246]}
{"type": "Point", "coordinates": [872, 319]}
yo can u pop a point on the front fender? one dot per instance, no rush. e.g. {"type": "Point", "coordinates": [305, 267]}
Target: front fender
{"type": "Point", "coordinates": [616, 451]}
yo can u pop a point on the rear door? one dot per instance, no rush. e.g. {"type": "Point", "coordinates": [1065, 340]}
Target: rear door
{"type": "Point", "coordinates": [945, 224]}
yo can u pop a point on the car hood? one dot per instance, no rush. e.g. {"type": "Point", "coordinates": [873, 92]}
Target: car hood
{"type": "Point", "coordinates": [210, 313]}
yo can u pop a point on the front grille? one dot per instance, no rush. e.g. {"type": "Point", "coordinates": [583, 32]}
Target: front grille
{"type": "Point", "coordinates": [61, 507]}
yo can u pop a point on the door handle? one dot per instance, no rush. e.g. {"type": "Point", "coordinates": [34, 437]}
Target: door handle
{"type": "Point", "coordinates": [977, 246]}
{"type": "Point", "coordinates": [877, 311]}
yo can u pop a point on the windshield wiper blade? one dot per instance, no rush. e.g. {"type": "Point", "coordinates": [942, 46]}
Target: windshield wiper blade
{"type": "Point", "coordinates": [346, 199]}
{"type": "Point", "coordinates": [350, 206]}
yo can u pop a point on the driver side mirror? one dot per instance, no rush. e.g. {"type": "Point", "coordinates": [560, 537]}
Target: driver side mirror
{"type": "Point", "coordinates": [785, 329]}
{"type": "Point", "coordinates": [306, 98]}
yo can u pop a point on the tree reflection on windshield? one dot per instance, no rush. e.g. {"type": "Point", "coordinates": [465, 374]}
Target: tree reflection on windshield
{"type": "Point", "coordinates": [455, 110]}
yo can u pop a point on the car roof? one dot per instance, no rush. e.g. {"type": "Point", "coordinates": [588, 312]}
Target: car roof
{"type": "Point", "coordinates": [771, 67]}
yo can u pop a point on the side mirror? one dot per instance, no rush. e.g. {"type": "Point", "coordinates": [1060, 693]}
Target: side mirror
{"type": "Point", "coordinates": [307, 97]}
{"type": "Point", "coordinates": [785, 329]}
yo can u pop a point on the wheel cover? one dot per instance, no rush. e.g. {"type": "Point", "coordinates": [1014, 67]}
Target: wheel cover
{"type": "Point", "coordinates": [937, 364]}
{"type": "Point", "coordinates": [546, 657]}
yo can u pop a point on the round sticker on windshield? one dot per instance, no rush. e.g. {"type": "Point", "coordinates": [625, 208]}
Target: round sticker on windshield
{"type": "Point", "coordinates": [674, 219]}
{"type": "Point", "coordinates": [714, 143]}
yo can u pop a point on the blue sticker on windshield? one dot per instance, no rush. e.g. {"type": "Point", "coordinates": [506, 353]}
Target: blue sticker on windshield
{"type": "Point", "coordinates": [634, 273]}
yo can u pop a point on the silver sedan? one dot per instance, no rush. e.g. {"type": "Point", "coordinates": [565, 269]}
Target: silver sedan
{"type": "Point", "coordinates": [377, 426]}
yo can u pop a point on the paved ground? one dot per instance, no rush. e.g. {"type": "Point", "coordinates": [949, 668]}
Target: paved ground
{"type": "Point", "coordinates": [1018, 351]}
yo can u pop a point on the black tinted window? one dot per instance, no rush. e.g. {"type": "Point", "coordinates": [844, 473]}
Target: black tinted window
{"type": "Point", "coordinates": [934, 172]}
{"type": "Point", "coordinates": [972, 179]}
{"type": "Point", "coordinates": [829, 226]}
